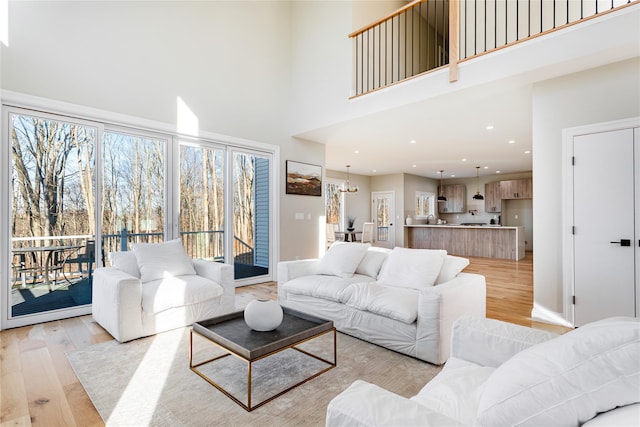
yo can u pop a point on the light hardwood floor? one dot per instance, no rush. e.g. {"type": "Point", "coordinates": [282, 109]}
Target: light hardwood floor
{"type": "Point", "coordinates": [38, 386]}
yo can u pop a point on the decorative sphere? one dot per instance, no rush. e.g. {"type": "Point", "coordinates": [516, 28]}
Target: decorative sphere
{"type": "Point", "coordinates": [263, 315]}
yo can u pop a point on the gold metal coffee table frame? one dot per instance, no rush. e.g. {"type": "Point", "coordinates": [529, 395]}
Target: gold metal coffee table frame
{"type": "Point", "coordinates": [207, 329]}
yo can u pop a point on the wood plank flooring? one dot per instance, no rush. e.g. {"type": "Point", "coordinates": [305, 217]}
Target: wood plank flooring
{"type": "Point", "coordinates": [39, 388]}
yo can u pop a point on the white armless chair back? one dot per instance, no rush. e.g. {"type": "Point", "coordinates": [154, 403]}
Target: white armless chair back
{"type": "Point", "coordinates": [367, 232]}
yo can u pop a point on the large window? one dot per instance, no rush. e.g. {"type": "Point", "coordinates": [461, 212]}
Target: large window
{"type": "Point", "coordinates": [202, 210]}
{"type": "Point", "coordinates": [133, 191]}
{"type": "Point", "coordinates": [334, 204]}
{"type": "Point", "coordinates": [52, 219]}
{"type": "Point", "coordinates": [76, 190]}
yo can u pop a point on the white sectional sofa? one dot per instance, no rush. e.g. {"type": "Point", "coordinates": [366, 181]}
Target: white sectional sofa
{"type": "Point", "coordinates": [501, 374]}
{"type": "Point", "coordinates": [402, 299]}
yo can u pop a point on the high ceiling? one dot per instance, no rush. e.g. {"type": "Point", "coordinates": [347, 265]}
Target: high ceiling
{"type": "Point", "coordinates": [449, 133]}
{"type": "Point", "coordinates": [451, 130]}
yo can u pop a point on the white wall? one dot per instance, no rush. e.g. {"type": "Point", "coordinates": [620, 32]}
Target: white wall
{"type": "Point", "coordinates": [603, 94]}
{"type": "Point", "coordinates": [229, 62]}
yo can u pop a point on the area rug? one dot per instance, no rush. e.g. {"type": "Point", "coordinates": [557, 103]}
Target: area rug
{"type": "Point", "coordinates": [148, 382]}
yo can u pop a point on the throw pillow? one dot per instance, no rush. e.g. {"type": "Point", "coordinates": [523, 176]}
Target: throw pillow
{"type": "Point", "coordinates": [159, 260]}
{"type": "Point", "coordinates": [412, 268]}
{"type": "Point", "coordinates": [372, 261]}
{"type": "Point", "coordinates": [451, 266]}
{"type": "Point", "coordinates": [342, 259]}
{"type": "Point", "coordinates": [567, 380]}
{"type": "Point", "coordinates": [125, 261]}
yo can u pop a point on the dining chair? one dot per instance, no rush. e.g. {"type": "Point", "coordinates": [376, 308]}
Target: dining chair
{"type": "Point", "coordinates": [367, 232]}
{"type": "Point", "coordinates": [86, 255]}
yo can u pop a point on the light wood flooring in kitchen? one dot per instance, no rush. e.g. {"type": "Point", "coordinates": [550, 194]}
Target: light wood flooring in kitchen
{"type": "Point", "coordinates": [38, 386]}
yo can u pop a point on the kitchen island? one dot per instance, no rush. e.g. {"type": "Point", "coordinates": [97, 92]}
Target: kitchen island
{"type": "Point", "coordinates": [487, 241]}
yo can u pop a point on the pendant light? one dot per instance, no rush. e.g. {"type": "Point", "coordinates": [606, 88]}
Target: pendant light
{"type": "Point", "coordinates": [478, 196]}
{"type": "Point", "coordinates": [349, 189]}
{"type": "Point", "coordinates": [441, 197]}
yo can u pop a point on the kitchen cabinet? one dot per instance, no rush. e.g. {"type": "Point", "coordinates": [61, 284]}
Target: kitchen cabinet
{"type": "Point", "coordinates": [456, 196]}
{"type": "Point", "coordinates": [516, 189]}
{"type": "Point", "coordinates": [492, 197]}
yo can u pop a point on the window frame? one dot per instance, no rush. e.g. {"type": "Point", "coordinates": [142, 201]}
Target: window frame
{"type": "Point", "coordinates": [110, 121]}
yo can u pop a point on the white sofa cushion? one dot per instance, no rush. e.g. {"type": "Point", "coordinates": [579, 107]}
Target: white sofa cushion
{"type": "Point", "coordinates": [159, 260]}
{"type": "Point", "coordinates": [372, 261]}
{"type": "Point", "coordinates": [342, 259]}
{"type": "Point", "coordinates": [567, 380]}
{"type": "Point", "coordinates": [321, 286]}
{"type": "Point", "coordinates": [456, 390]}
{"type": "Point", "coordinates": [125, 261]}
{"type": "Point", "coordinates": [412, 268]}
{"type": "Point", "coordinates": [393, 302]}
{"type": "Point", "coordinates": [170, 292]}
{"type": "Point", "coordinates": [451, 267]}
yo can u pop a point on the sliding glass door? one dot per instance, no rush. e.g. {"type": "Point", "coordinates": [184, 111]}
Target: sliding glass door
{"type": "Point", "coordinates": [53, 213]}
{"type": "Point", "coordinates": [76, 190]}
{"type": "Point", "coordinates": [202, 200]}
{"type": "Point", "coordinates": [134, 189]}
{"type": "Point", "coordinates": [251, 214]}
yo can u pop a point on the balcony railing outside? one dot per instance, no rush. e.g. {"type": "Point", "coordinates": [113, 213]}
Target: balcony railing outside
{"type": "Point", "coordinates": [198, 244]}
{"type": "Point", "coordinates": [429, 34]}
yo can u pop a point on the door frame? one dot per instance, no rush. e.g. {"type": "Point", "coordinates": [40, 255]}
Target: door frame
{"type": "Point", "coordinates": [568, 134]}
{"type": "Point", "coordinates": [374, 216]}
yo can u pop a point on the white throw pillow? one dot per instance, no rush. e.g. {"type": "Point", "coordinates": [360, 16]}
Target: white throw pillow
{"type": "Point", "coordinates": [125, 261]}
{"type": "Point", "coordinates": [567, 380]}
{"type": "Point", "coordinates": [451, 267]}
{"type": "Point", "coordinates": [342, 259]}
{"type": "Point", "coordinates": [160, 260]}
{"type": "Point", "coordinates": [412, 268]}
{"type": "Point", "coordinates": [372, 261]}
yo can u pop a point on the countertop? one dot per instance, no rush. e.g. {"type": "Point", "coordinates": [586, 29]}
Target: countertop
{"type": "Point", "coordinates": [492, 226]}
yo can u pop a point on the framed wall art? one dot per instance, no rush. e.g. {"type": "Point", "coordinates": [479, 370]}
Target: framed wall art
{"type": "Point", "coordinates": [304, 179]}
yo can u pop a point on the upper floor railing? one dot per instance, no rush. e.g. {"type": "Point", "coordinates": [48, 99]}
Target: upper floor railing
{"type": "Point", "coordinates": [429, 34]}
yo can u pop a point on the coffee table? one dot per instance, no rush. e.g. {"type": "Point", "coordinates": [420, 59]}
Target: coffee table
{"type": "Point", "coordinates": [231, 333]}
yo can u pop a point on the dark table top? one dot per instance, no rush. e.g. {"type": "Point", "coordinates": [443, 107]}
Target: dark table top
{"type": "Point", "coordinates": [231, 332]}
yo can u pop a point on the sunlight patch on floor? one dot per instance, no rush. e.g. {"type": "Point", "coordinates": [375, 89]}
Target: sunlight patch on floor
{"type": "Point", "coordinates": [145, 387]}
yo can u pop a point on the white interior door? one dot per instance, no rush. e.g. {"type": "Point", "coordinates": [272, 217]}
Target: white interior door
{"type": "Point", "coordinates": [383, 215]}
{"type": "Point", "coordinates": [604, 222]}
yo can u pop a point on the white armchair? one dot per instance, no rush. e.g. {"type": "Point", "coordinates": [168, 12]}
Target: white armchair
{"type": "Point", "coordinates": [501, 374]}
{"type": "Point", "coordinates": [155, 288]}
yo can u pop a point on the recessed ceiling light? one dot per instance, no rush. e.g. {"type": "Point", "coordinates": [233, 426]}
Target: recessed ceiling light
{"type": "Point", "coordinates": [374, 171]}
{"type": "Point", "coordinates": [453, 176]}
{"type": "Point", "coordinates": [464, 160]}
{"type": "Point", "coordinates": [414, 166]}
{"type": "Point", "coordinates": [356, 152]}
{"type": "Point", "coordinates": [497, 171]}
{"type": "Point", "coordinates": [527, 152]}
{"type": "Point", "coordinates": [413, 141]}
{"type": "Point", "coordinates": [486, 167]}
{"type": "Point", "coordinates": [490, 127]}
{"type": "Point", "coordinates": [511, 141]}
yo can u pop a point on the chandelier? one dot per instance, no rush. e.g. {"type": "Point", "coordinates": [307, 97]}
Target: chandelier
{"type": "Point", "coordinates": [349, 189]}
